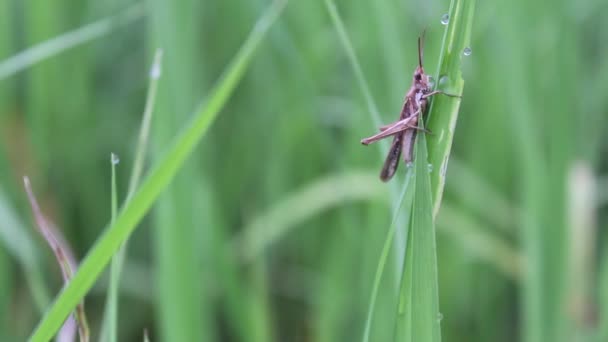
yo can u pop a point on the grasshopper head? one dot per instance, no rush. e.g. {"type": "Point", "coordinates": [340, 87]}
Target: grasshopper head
{"type": "Point", "coordinates": [421, 80]}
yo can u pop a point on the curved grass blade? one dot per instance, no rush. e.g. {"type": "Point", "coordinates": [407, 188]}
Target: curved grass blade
{"type": "Point", "coordinates": [303, 204]}
{"type": "Point", "coordinates": [159, 178]}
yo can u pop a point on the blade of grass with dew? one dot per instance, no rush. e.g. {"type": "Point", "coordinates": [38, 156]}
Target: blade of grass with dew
{"type": "Point", "coordinates": [418, 311]}
{"type": "Point", "coordinates": [111, 314]}
{"type": "Point", "coordinates": [108, 328]}
{"type": "Point", "coordinates": [444, 110]}
{"type": "Point", "coordinates": [66, 41]}
{"type": "Point", "coordinates": [159, 178]}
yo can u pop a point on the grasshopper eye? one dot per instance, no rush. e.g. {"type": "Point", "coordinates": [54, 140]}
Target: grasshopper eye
{"type": "Point", "coordinates": [417, 77]}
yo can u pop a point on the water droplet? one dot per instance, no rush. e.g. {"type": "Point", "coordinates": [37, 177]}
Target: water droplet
{"type": "Point", "coordinates": [114, 158]}
{"type": "Point", "coordinates": [443, 79]}
{"type": "Point", "coordinates": [409, 165]}
{"type": "Point", "coordinates": [439, 316]}
{"type": "Point", "coordinates": [467, 51]}
{"type": "Point", "coordinates": [430, 167]}
{"type": "Point", "coordinates": [155, 71]}
{"type": "Point", "coordinates": [445, 19]}
{"type": "Point", "coordinates": [431, 81]}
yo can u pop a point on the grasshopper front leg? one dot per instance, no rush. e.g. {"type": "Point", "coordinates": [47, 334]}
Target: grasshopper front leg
{"type": "Point", "coordinates": [435, 92]}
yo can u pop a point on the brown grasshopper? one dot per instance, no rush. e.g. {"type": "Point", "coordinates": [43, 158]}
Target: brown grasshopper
{"type": "Point", "coordinates": [404, 130]}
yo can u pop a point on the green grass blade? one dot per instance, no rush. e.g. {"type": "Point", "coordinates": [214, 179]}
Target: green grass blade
{"type": "Point", "coordinates": [444, 110]}
{"type": "Point", "coordinates": [158, 179]}
{"type": "Point", "coordinates": [108, 330]}
{"type": "Point", "coordinates": [354, 61]}
{"type": "Point", "coordinates": [418, 312]}
{"type": "Point", "coordinates": [388, 242]}
{"type": "Point", "coordinates": [144, 131]}
{"type": "Point", "coordinates": [66, 41]}
{"type": "Point", "coordinates": [111, 314]}
{"type": "Point", "coordinates": [303, 204]}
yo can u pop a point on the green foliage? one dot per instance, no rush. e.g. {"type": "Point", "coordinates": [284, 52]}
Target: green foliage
{"type": "Point", "coordinates": [276, 227]}
{"type": "Point", "coordinates": [418, 315]}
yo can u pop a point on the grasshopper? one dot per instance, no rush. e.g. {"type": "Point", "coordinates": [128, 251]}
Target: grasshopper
{"type": "Point", "coordinates": [404, 130]}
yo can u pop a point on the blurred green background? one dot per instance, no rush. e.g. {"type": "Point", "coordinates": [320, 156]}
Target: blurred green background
{"type": "Point", "coordinates": [282, 179]}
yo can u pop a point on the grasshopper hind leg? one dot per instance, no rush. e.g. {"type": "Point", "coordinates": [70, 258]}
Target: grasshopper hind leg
{"type": "Point", "coordinates": [392, 159]}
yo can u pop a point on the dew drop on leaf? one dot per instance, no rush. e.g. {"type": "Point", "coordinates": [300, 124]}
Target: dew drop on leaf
{"type": "Point", "coordinates": [114, 158]}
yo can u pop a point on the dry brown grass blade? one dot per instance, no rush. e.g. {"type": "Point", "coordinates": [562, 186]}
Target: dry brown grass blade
{"type": "Point", "coordinates": [62, 253]}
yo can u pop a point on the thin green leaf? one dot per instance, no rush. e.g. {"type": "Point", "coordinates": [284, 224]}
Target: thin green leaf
{"type": "Point", "coordinates": [418, 312]}
{"type": "Point", "coordinates": [354, 61]}
{"type": "Point", "coordinates": [158, 179]}
{"type": "Point", "coordinates": [108, 329]}
{"type": "Point", "coordinates": [111, 314]}
{"type": "Point", "coordinates": [388, 242]}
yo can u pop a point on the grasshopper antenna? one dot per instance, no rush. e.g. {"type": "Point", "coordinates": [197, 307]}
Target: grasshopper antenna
{"type": "Point", "coordinates": [421, 47]}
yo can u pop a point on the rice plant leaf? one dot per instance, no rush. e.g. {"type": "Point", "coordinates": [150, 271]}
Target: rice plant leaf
{"type": "Point", "coordinates": [443, 112]}
{"type": "Point", "coordinates": [418, 315]}
{"type": "Point", "coordinates": [418, 312]}
{"type": "Point", "coordinates": [111, 310]}
{"type": "Point", "coordinates": [159, 178]}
